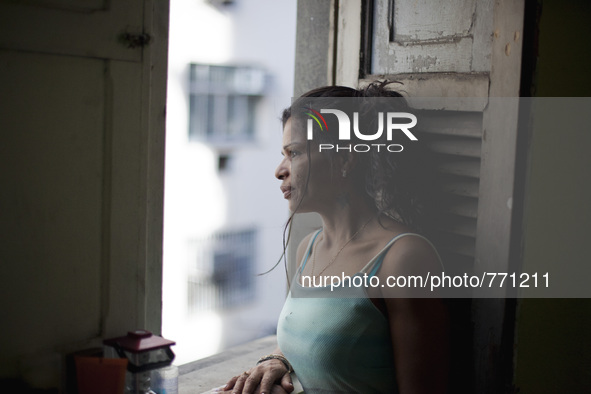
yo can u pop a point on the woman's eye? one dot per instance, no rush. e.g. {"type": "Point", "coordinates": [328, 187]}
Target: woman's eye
{"type": "Point", "coordinates": [294, 153]}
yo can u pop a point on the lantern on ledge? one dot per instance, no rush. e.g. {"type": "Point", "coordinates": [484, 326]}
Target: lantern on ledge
{"type": "Point", "coordinates": [145, 352]}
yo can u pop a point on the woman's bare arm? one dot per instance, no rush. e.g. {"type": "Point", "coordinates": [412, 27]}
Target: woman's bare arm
{"type": "Point", "coordinates": [419, 326]}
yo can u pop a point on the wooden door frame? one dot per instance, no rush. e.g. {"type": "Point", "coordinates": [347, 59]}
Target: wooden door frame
{"type": "Point", "coordinates": [154, 76]}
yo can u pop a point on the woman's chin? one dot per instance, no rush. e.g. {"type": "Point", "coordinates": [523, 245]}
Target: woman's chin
{"type": "Point", "coordinates": [294, 205]}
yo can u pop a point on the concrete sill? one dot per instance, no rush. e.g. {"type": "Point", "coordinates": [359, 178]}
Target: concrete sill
{"type": "Point", "coordinates": [203, 375]}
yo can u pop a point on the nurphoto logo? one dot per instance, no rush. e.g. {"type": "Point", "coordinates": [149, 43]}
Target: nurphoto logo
{"type": "Point", "coordinates": [390, 119]}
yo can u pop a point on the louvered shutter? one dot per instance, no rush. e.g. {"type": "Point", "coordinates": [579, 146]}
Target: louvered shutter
{"type": "Point", "coordinates": [455, 141]}
{"type": "Point", "coordinates": [455, 48]}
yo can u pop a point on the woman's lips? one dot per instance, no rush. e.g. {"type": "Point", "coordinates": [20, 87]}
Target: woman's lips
{"type": "Point", "coordinates": [286, 191]}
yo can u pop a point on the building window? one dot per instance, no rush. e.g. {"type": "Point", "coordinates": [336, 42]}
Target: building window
{"type": "Point", "coordinates": [221, 270]}
{"type": "Point", "coordinates": [222, 103]}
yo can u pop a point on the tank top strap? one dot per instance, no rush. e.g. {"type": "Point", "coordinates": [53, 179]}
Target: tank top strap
{"type": "Point", "coordinates": [375, 263]}
{"type": "Point", "coordinates": [308, 251]}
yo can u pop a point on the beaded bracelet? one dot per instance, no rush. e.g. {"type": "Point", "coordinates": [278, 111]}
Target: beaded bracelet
{"type": "Point", "coordinates": [276, 357]}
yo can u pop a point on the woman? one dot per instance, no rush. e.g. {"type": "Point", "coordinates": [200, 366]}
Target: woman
{"type": "Point", "coordinates": [367, 339]}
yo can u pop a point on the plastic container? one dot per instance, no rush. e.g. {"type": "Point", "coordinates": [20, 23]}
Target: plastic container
{"type": "Point", "coordinates": [165, 380]}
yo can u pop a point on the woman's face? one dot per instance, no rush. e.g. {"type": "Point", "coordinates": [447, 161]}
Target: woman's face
{"type": "Point", "coordinates": [293, 172]}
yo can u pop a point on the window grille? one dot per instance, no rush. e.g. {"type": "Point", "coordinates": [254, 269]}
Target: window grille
{"type": "Point", "coordinates": [222, 102]}
{"type": "Point", "coordinates": [221, 270]}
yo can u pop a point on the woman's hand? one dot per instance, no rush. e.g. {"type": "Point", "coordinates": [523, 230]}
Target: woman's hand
{"type": "Point", "coordinates": [269, 377]}
{"type": "Point", "coordinates": [276, 389]}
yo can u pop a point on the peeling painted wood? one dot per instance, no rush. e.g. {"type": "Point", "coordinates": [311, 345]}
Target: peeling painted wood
{"type": "Point", "coordinates": [469, 91]}
{"type": "Point", "coordinates": [426, 36]}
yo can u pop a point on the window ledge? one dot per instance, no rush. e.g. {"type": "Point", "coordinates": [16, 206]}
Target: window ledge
{"type": "Point", "coordinates": [203, 375]}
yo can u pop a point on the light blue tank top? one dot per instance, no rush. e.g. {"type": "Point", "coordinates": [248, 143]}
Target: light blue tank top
{"type": "Point", "coordinates": [337, 344]}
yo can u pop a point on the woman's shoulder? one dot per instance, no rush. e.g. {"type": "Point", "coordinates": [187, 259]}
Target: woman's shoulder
{"type": "Point", "coordinates": [411, 253]}
{"type": "Point", "coordinates": [411, 260]}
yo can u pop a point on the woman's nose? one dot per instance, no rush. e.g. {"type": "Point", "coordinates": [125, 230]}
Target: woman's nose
{"type": "Point", "coordinates": [282, 170]}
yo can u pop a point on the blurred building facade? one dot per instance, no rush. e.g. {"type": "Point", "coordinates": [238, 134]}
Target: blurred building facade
{"type": "Point", "coordinates": [230, 74]}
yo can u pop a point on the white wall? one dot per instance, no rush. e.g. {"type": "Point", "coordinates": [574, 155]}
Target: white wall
{"type": "Point", "coordinates": [198, 201]}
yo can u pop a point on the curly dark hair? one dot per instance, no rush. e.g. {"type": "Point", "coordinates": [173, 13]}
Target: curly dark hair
{"type": "Point", "coordinates": [398, 185]}
{"type": "Point", "coordinates": [395, 183]}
